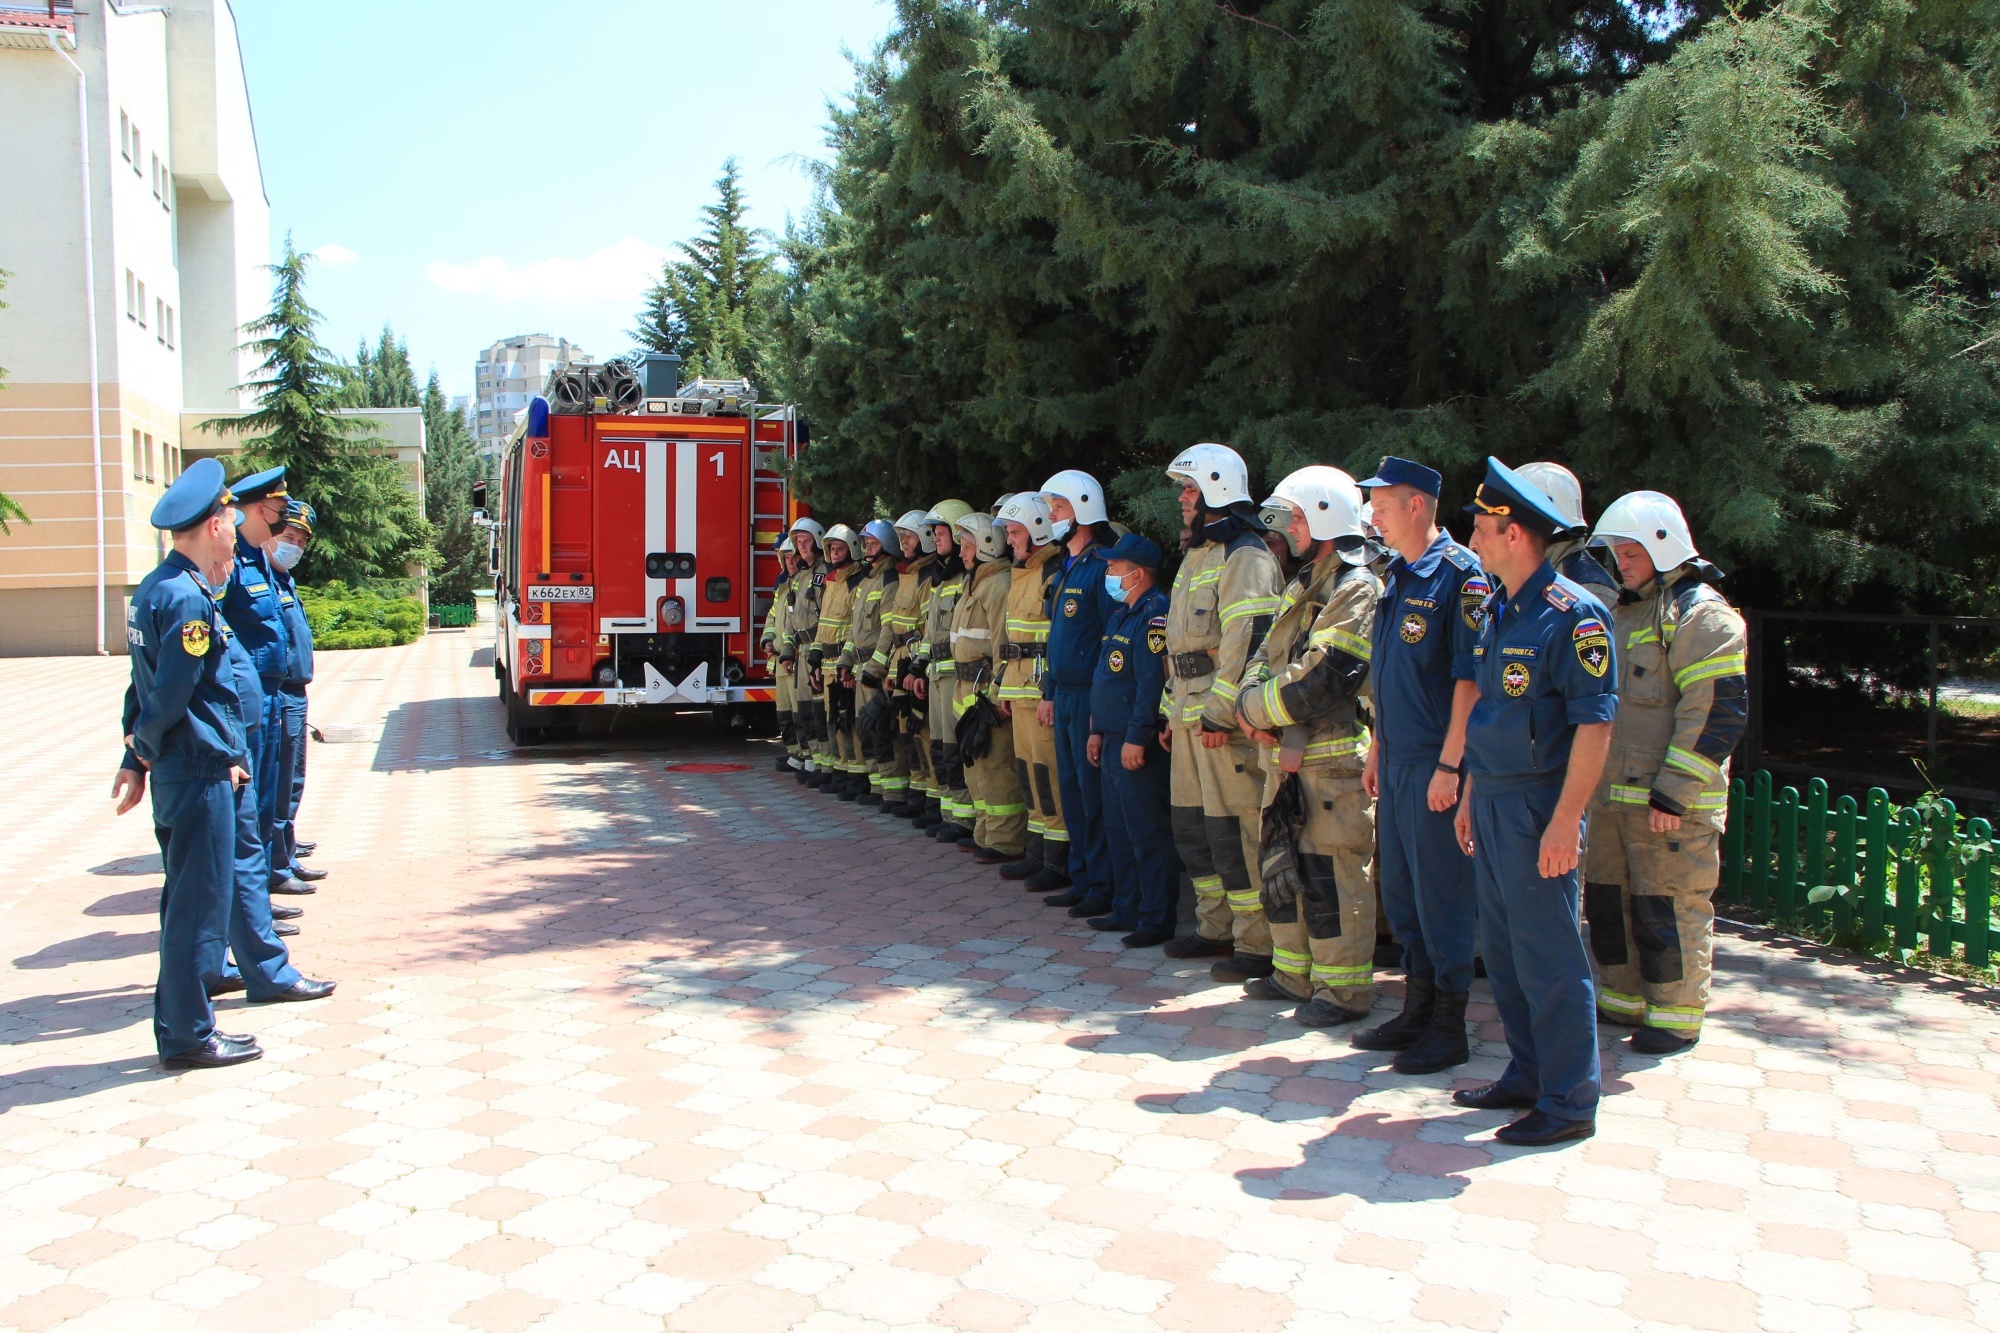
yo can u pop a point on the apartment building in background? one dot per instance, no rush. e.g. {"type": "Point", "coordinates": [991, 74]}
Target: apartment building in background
{"type": "Point", "coordinates": [510, 372]}
{"type": "Point", "coordinates": [163, 177]}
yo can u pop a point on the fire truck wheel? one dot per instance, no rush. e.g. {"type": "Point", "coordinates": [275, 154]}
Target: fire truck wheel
{"type": "Point", "coordinates": [520, 730]}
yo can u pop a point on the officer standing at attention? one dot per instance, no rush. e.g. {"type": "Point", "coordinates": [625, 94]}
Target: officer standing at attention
{"type": "Point", "coordinates": [1079, 607]}
{"type": "Point", "coordinates": [1225, 597]}
{"type": "Point", "coordinates": [182, 731]}
{"type": "Point", "coordinates": [1569, 555]}
{"type": "Point", "coordinates": [1421, 645]}
{"type": "Point", "coordinates": [1656, 826]}
{"type": "Point", "coordinates": [1124, 744]}
{"type": "Point", "coordinates": [286, 548]}
{"type": "Point", "coordinates": [771, 644]}
{"type": "Point", "coordinates": [978, 623]}
{"type": "Point", "coordinates": [902, 644]}
{"type": "Point", "coordinates": [1535, 748]}
{"type": "Point", "coordinates": [801, 629]}
{"type": "Point", "coordinates": [1030, 534]}
{"type": "Point", "coordinates": [834, 683]}
{"type": "Point", "coordinates": [953, 809]}
{"type": "Point", "coordinates": [865, 660]}
{"type": "Point", "coordinates": [1299, 701]}
{"type": "Point", "coordinates": [250, 604]}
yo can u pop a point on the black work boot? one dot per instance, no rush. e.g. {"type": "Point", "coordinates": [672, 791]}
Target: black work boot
{"type": "Point", "coordinates": [852, 785]}
{"type": "Point", "coordinates": [1196, 946]}
{"type": "Point", "coordinates": [1030, 862]}
{"type": "Point", "coordinates": [1443, 1043]}
{"type": "Point", "coordinates": [1401, 1032]}
{"type": "Point", "coordinates": [1649, 1040]}
{"type": "Point", "coordinates": [1054, 873]}
{"type": "Point", "coordinates": [1241, 967]}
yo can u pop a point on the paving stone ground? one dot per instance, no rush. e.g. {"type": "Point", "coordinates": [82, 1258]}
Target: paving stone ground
{"type": "Point", "coordinates": [619, 1047]}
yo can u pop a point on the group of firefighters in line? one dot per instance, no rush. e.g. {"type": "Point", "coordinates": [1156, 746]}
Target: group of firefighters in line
{"type": "Point", "coordinates": [1018, 682]}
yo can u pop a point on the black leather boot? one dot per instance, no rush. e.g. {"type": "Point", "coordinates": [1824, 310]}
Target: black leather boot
{"type": "Point", "coordinates": [1054, 874]}
{"type": "Point", "coordinates": [1401, 1032]}
{"type": "Point", "coordinates": [1030, 862]}
{"type": "Point", "coordinates": [1443, 1043]}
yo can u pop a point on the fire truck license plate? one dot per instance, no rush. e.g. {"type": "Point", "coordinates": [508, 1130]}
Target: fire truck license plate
{"type": "Point", "coordinates": [561, 592]}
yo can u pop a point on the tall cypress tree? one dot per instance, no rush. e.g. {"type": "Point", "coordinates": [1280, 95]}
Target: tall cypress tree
{"type": "Point", "coordinates": [381, 376]}
{"type": "Point", "coordinates": [370, 524]}
{"type": "Point", "coordinates": [451, 465]}
{"type": "Point", "coordinates": [713, 306]}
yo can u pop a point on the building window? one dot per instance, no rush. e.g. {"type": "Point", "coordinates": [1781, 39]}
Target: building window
{"type": "Point", "coordinates": [159, 319]}
{"type": "Point", "coordinates": [138, 460]}
{"type": "Point", "coordinates": [125, 135]}
{"type": "Point", "coordinates": [140, 306]}
{"type": "Point", "coordinates": [135, 150]}
{"type": "Point", "coordinates": [169, 327]}
{"type": "Point", "coordinates": [131, 296]}
{"type": "Point", "coordinates": [149, 458]}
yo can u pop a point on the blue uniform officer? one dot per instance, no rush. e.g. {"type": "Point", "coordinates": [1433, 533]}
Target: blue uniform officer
{"type": "Point", "coordinates": [285, 549]}
{"type": "Point", "coordinates": [1124, 743]}
{"type": "Point", "coordinates": [183, 733]}
{"type": "Point", "coordinates": [1535, 748]}
{"type": "Point", "coordinates": [252, 607]}
{"type": "Point", "coordinates": [1421, 668]}
{"type": "Point", "coordinates": [1079, 605]}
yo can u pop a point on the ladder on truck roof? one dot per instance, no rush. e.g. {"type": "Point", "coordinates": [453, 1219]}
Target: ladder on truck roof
{"type": "Point", "coordinates": [770, 505]}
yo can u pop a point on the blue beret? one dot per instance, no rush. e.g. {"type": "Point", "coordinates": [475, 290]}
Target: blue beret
{"type": "Point", "coordinates": [299, 514]}
{"type": "Point", "coordinates": [1136, 549]}
{"type": "Point", "coordinates": [266, 485]}
{"type": "Point", "coordinates": [196, 494]}
{"type": "Point", "coordinates": [1507, 493]}
{"type": "Point", "coordinates": [1394, 471]}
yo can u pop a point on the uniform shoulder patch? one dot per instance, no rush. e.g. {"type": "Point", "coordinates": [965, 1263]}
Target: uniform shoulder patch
{"type": "Point", "coordinates": [195, 638]}
{"type": "Point", "coordinates": [1593, 644]}
{"type": "Point", "coordinates": [1156, 638]}
{"type": "Point", "coordinates": [1472, 595]}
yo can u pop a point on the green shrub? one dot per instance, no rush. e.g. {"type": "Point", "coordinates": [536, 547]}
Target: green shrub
{"type": "Point", "coordinates": [344, 617]}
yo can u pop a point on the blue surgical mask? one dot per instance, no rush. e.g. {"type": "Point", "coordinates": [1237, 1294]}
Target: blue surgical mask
{"type": "Point", "coordinates": [1115, 586]}
{"type": "Point", "coordinates": [1062, 528]}
{"type": "Point", "coordinates": [287, 554]}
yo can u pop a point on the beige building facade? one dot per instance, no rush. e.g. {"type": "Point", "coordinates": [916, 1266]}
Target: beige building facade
{"type": "Point", "coordinates": [163, 177]}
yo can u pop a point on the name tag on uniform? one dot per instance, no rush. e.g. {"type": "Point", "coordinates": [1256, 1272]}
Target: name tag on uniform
{"type": "Point", "coordinates": [256, 587]}
{"type": "Point", "coordinates": [1527, 650]}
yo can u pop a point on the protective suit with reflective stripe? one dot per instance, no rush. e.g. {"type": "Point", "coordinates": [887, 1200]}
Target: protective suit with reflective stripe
{"type": "Point", "coordinates": [836, 615]}
{"type": "Point", "coordinates": [1027, 633]}
{"type": "Point", "coordinates": [783, 682]}
{"type": "Point", "coordinates": [796, 637]}
{"type": "Point", "coordinates": [1225, 597]}
{"type": "Point", "coordinates": [1683, 704]}
{"type": "Point", "coordinates": [1001, 814]}
{"type": "Point", "coordinates": [866, 655]}
{"type": "Point", "coordinates": [1302, 687]}
{"type": "Point", "coordinates": [941, 601]}
{"type": "Point", "coordinates": [907, 772]}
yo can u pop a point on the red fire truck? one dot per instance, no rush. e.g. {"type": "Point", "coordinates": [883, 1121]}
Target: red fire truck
{"type": "Point", "coordinates": [633, 530]}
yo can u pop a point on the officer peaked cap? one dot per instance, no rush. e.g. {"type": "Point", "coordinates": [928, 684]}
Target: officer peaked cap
{"type": "Point", "coordinates": [1394, 471]}
{"type": "Point", "coordinates": [266, 485]}
{"type": "Point", "coordinates": [193, 498]}
{"type": "Point", "coordinates": [1508, 494]}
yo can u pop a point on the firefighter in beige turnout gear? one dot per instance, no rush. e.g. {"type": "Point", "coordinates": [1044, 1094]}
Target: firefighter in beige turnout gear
{"type": "Point", "coordinates": [907, 784]}
{"type": "Point", "coordinates": [978, 622]}
{"type": "Point", "coordinates": [1030, 534]}
{"type": "Point", "coordinates": [1224, 599]}
{"type": "Point", "coordinates": [863, 657]}
{"type": "Point", "coordinates": [1299, 701]}
{"type": "Point", "coordinates": [1656, 825]}
{"type": "Point", "coordinates": [952, 808]}
{"type": "Point", "coordinates": [846, 778]}
{"type": "Point", "coordinates": [795, 639]}
{"type": "Point", "coordinates": [770, 643]}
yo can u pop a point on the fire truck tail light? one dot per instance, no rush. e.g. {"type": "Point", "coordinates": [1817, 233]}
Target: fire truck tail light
{"type": "Point", "coordinates": [672, 613]}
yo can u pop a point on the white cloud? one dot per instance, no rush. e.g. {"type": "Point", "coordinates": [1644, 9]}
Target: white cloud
{"type": "Point", "coordinates": [336, 256]}
{"type": "Point", "coordinates": [617, 272]}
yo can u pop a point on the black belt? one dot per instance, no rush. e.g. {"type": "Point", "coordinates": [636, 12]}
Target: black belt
{"type": "Point", "coordinates": [1193, 664]}
{"type": "Point", "coordinates": [1014, 652]}
{"type": "Point", "coordinates": [975, 670]}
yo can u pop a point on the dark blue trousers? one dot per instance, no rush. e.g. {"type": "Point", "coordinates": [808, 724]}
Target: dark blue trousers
{"type": "Point", "coordinates": [1427, 889]}
{"type": "Point", "coordinates": [1534, 953]}
{"type": "Point", "coordinates": [285, 843]}
{"type": "Point", "coordinates": [271, 766]}
{"type": "Point", "coordinates": [1139, 839]}
{"type": "Point", "coordinates": [265, 963]}
{"type": "Point", "coordinates": [1082, 799]}
{"type": "Point", "coordinates": [194, 821]}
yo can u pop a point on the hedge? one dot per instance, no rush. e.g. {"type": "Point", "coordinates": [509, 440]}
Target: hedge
{"type": "Point", "coordinates": [344, 617]}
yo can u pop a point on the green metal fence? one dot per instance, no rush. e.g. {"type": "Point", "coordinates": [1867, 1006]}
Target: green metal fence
{"type": "Point", "coordinates": [452, 617]}
{"type": "Point", "coordinates": [1908, 877]}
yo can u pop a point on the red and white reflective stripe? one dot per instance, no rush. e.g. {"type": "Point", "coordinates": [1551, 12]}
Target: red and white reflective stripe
{"type": "Point", "coordinates": [548, 698]}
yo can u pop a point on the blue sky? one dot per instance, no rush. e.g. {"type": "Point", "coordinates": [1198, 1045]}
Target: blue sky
{"type": "Point", "coordinates": [472, 169]}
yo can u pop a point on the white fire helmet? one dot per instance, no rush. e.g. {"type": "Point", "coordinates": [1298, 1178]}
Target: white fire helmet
{"type": "Point", "coordinates": [843, 534]}
{"type": "Point", "coordinates": [1031, 512]}
{"type": "Point", "coordinates": [1652, 520]}
{"type": "Point", "coordinates": [917, 523]}
{"type": "Point", "coordinates": [947, 512]}
{"type": "Point", "coordinates": [809, 526]}
{"type": "Point", "coordinates": [1560, 485]}
{"type": "Point", "coordinates": [1216, 469]}
{"type": "Point", "coordinates": [992, 546]}
{"type": "Point", "coordinates": [1085, 496]}
{"type": "Point", "coordinates": [882, 531]}
{"type": "Point", "coordinates": [1327, 497]}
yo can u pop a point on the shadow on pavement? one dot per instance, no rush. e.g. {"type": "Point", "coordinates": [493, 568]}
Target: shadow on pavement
{"type": "Point", "coordinates": [60, 1083]}
{"type": "Point", "coordinates": [131, 865]}
{"type": "Point", "coordinates": [91, 948]}
{"type": "Point", "coordinates": [68, 1014]}
{"type": "Point", "coordinates": [136, 902]}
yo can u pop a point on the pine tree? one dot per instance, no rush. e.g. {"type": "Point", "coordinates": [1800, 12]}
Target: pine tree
{"type": "Point", "coordinates": [713, 307]}
{"type": "Point", "coordinates": [451, 465]}
{"type": "Point", "coordinates": [369, 522]}
{"type": "Point", "coordinates": [381, 377]}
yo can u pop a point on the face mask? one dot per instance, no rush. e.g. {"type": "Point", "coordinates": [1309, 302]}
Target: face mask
{"type": "Point", "coordinates": [287, 554]}
{"type": "Point", "coordinates": [1062, 528]}
{"type": "Point", "coordinates": [1115, 586]}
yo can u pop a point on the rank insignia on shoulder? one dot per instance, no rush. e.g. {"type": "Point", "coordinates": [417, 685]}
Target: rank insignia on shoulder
{"type": "Point", "coordinates": [1459, 556]}
{"type": "Point", "coordinates": [1561, 598]}
{"type": "Point", "coordinates": [1593, 645]}
{"type": "Point", "coordinates": [1156, 640]}
{"type": "Point", "coordinates": [194, 638]}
